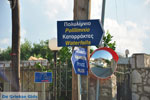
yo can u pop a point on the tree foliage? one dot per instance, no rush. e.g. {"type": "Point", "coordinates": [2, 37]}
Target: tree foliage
{"type": "Point", "coordinates": [37, 50]}
{"type": "Point", "coordinates": [107, 41]}
{"type": "Point", "coordinates": [26, 49]}
{"type": "Point", "coordinates": [41, 49]}
{"type": "Point", "coordinates": [5, 54]}
{"type": "Point", "coordinates": [65, 54]}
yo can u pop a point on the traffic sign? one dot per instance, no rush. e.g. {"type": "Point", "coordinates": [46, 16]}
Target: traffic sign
{"type": "Point", "coordinates": [43, 77]}
{"type": "Point", "coordinates": [79, 61]}
{"type": "Point", "coordinates": [79, 33]}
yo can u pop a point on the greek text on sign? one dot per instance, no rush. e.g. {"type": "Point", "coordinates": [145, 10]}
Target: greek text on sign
{"type": "Point", "coordinates": [79, 61]}
{"type": "Point", "coordinates": [79, 33]}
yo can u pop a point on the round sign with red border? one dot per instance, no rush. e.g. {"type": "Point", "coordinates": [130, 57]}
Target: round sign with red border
{"type": "Point", "coordinates": [103, 63]}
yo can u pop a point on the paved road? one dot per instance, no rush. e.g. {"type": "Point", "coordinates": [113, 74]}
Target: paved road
{"type": "Point", "coordinates": [100, 71]}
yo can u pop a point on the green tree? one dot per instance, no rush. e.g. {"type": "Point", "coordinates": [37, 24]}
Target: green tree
{"type": "Point", "coordinates": [41, 50]}
{"type": "Point", "coordinates": [65, 54]}
{"type": "Point", "coordinates": [26, 49]}
{"type": "Point", "coordinates": [107, 41]}
{"type": "Point", "coordinates": [5, 54]}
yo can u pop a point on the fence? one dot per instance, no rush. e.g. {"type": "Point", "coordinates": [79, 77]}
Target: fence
{"type": "Point", "coordinates": [61, 88]}
{"type": "Point", "coordinates": [62, 85]}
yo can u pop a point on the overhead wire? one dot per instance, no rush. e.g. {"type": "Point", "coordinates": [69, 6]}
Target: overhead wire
{"type": "Point", "coordinates": [125, 12]}
{"type": "Point", "coordinates": [116, 10]}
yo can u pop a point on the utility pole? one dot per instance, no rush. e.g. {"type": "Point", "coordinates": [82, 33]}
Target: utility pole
{"type": "Point", "coordinates": [15, 55]}
{"type": "Point", "coordinates": [94, 84]}
{"type": "Point", "coordinates": [82, 9]}
{"type": "Point", "coordinates": [103, 12]}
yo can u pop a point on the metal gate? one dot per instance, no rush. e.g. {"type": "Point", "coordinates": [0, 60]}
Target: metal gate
{"type": "Point", "coordinates": [123, 82]}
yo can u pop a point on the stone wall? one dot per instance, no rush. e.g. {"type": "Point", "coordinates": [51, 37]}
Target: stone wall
{"type": "Point", "coordinates": [108, 89]}
{"type": "Point", "coordinates": [140, 64]}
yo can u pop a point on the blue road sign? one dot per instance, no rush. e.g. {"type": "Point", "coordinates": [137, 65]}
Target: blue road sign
{"type": "Point", "coordinates": [79, 33]}
{"type": "Point", "coordinates": [41, 77]}
{"type": "Point", "coordinates": [79, 61]}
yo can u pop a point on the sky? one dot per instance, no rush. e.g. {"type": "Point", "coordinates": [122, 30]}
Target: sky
{"type": "Point", "coordinates": [102, 54]}
{"type": "Point", "coordinates": [128, 21]}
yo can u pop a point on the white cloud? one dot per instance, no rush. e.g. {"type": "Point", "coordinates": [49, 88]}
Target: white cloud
{"type": "Point", "coordinates": [54, 8]}
{"type": "Point", "coordinates": [2, 49]}
{"type": "Point", "coordinates": [7, 2]}
{"type": "Point", "coordinates": [58, 8]}
{"type": "Point", "coordinates": [96, 9]}
{"type": "Point", "coordinates": [51, 14]}
{"type": "Point", "coordinates": [127, 36]}
{"type": "Point", "coordinates": [57, 3]}
{"type": "Point", "coordinates": [147, 2]}
{"type": "Point", "coordinates": [4, 41]}
{"type": "Point", "coordinates": [35, 1]}
{"type": "Point", "coordinates": [23, 34]}
{"type": "Point", "coordinates": [131, 24]}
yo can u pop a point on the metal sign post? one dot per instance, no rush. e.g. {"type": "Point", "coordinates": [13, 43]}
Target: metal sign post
{"type": "Point", "coordinates": [43, 77]}
{"type": "Point", "coordinates": [79, 87]}
{"type": "Point", "coordinates": [97, 89]}
{"type": "Point", "coordinates": [80, 65]}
